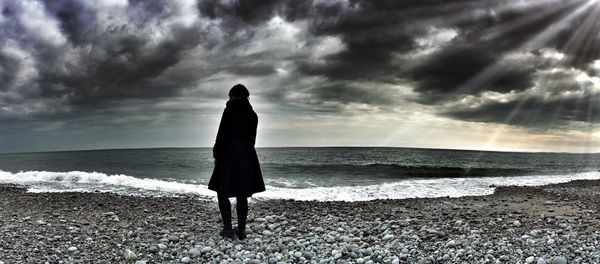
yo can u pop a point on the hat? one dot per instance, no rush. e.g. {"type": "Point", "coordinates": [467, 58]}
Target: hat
{"type": "Point", "coordinates": [239, 90]}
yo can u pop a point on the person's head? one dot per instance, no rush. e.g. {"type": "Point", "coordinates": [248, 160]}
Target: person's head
{"type": "Point", "coordinates": [238, 91]}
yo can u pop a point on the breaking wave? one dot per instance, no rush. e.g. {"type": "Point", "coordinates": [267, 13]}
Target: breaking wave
{"type": "Point", "coordinates": [45, 181]}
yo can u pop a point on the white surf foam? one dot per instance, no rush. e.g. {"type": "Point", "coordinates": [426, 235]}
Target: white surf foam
{"type": "Point", "coordinates": [420, 188]}
{"type": "Point", "coordinates": [71, 181]}
{"type": "Point", "coordinates": [44, 181]}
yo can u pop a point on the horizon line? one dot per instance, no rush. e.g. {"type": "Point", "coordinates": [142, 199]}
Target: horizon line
{"type": "Point", "coordinates": [323, 146]}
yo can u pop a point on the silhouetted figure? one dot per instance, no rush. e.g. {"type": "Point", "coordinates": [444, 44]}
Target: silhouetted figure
{"type": "Point", "coordinates": [237, 172]}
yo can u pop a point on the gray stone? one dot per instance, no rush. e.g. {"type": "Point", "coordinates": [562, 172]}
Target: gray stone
{"type": "Point", "coordinates": [186, 260]}
{"type": "Point", "coordinates": [530, 260]}
{"type": "Point", "coordinates": [140, 262]}
{"type": "Point", "coordinates": [205, 250]}
{"type": "Point", "coordinates": [541, 261]}
{"type": "Point", "coordinates": [129, 255]}
{"type": "Point", "coordinates": [195, 252]}
{"type": "Point", "coordinates": [153, 249]}
{"type": "Point", "coordinates": [559, 260]}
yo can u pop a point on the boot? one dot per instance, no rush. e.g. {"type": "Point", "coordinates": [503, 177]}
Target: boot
{"type": "Point", "coordinates": [227, 233]}
{"type": "Point", "coordinates": [241, 229]}
{"type": "Point", "coordinates": [242, 215]}
{"type": "Point", "coordinates": [225, 209]}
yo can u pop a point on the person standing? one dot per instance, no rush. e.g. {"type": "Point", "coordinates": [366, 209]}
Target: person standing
{"type": "Point", "coordinates": [237, 171]}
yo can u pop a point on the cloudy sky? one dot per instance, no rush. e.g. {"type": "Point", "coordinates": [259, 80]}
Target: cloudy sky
{"type": "Point", "coordinates": [469, 74]}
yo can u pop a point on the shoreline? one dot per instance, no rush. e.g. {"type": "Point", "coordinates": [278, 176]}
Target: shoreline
{"type": "Point", "coordinates": [512, 225]}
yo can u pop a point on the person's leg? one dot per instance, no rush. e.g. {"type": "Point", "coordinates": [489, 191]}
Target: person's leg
{"type": "Point", "coordinates": [242, 215]}
{"type": "Point", "coordinates": [225, 208]}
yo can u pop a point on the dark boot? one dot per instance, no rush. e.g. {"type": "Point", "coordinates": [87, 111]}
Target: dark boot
{"type": "Point", "coordinates": [242, 215]}
{"type": "Point", "coordinates": [225, 208]}
{"type": "Point", "coordinates": [227, 233]}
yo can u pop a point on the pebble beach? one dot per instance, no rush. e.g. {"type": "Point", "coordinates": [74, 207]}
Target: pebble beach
{"type": "Point", "coordinates": [545, 224]}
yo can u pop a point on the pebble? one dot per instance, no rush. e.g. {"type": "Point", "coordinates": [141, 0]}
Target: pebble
{"type": "Point", "coordinates": [195, 252]}
{"type": "Point", "coordinates": [186, 260]}
{"type": "Point", "coordinates": [559, 260]}
{"type": "Point", "coordinates": [205, 250]}
{"type": "Point", "coordinates": [153, 249]}
{"type": "Point", "coordinates": [530, 260]}
{"type": "Point", "coordinates": [129, 255]}
{"type": "Point", "coordinates": [541, 261]}
{"type": "Point", "coordinates": [72, 249]}
{"type": "Point", "coordinates": [140, 262]}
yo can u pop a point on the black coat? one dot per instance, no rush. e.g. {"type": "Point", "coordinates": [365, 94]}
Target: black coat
{"type": "Point", "coordinates": [237, 172]}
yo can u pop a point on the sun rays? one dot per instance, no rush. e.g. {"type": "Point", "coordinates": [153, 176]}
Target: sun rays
{"type": "Point", "coordinates": [564, 36]}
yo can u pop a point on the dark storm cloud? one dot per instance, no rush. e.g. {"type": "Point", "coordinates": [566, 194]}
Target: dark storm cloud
{"type": "Point", "coordinates": [242, 13]}
{"type": "Point", "coordinates": [8, 66]}
{"type": "Point", "coordinates": [86, 60]}
{"type": "Point", "coordinates": [496, 50]}
{"type": "Point", "coordinates": [558, 99]}
{"type": "Point", "coordinates": [67, 58]}
{"type": "Point", "coordinates": [375, 31]}
{"type": "Point", "coordinates": [76, 20]}
{"type": "Point", "coordinates": [352, 93]}
{"type": "Point", "coordinates": [371, 33]}
{"type": "Point", "coordinates": [580, 40]}
{"type": "Point", "coordinates": [451, 74]}
{"type": "Point", "coordinates": [534, 112]}
{"type": "Point", "coordinates": [378, 36]}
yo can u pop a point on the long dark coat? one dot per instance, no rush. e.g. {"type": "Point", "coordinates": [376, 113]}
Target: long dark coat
{"type": "Point", "coordinates": [237, 172]}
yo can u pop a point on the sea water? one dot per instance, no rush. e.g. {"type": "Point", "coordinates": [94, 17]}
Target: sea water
{"type": "Point", "coordinates": [325, 174]}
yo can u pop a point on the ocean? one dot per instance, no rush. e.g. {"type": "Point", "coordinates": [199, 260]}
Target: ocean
{"type": "Point", "coordinates": [319, 173]}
